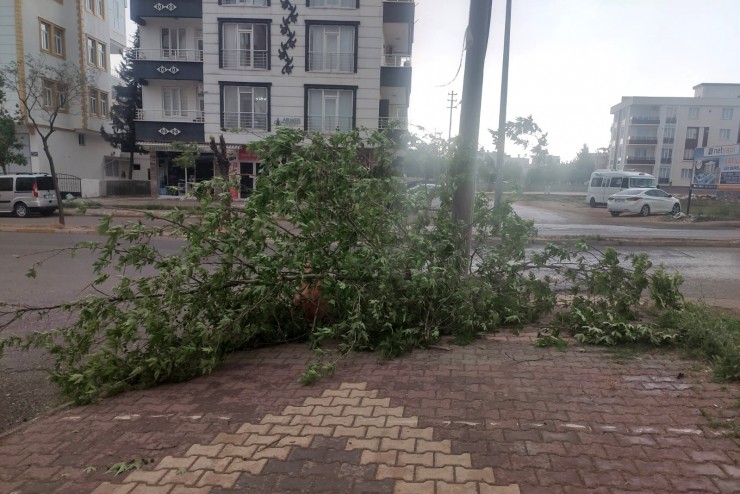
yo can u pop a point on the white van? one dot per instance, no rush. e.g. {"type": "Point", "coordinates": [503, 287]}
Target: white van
{"type": "Point", "coordinates": [604, 183]}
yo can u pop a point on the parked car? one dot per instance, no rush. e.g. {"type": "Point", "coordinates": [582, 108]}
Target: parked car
{"type": "Point", "coordinates": [25, 193]}
{"type": "Point", "coordinates": [642, 201]}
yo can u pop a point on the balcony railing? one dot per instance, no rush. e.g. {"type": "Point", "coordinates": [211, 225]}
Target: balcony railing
{"type": "Point", "coordinates": [166, 54]}
{"type": "Point", "coordinates": [396, 60]}
{"type": "Point", "coordinates": [331, 62]}
{"type": "Point", "coordinates": [244, 59]}
{"type": "Point", "coordinates": [645, 120]}
{"type": "Point", "coordinates": [169, 115]}
{"type": "Point", "coordinates": [664, 180]}
{"type": "Point", "coordinates": [245, 121]}
{"type": "Point", "coordinates": [670, 120]}
{"type": "Point", "coordinates": [666, 161]}
{"type": "Point", "coordinates": [400, 1]}
{"type": "Point", "coordinates": [642, 140]}
{"type": "Point", "coordinates": [668, 140]}
{"type": "Point", "coordinates": [321, 123]}
{"type": "Point", "coordinates": [640, 160]}
{"type": "Point", "coordinates": [394, 122]}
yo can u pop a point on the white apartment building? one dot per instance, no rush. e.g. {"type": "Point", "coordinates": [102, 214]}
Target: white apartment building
{"type": "Point", "coordinates": [658, 135]}
{"type": "Point", "coordinates": [86, 33]}
{"type": "Point", "coordinates": [243, 68]}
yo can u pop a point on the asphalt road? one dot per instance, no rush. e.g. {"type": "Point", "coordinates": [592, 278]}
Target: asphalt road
{"type": "Point", "coordinates": [711, 273]}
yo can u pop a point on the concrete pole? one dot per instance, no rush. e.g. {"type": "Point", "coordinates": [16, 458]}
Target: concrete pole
{"type": "Point", "coordinates": [500, 156]}
{"type": "Point", "coordinates": [463, 176]}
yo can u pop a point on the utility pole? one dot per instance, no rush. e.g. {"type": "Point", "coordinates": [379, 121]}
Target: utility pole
{"type": "Point", "coordinates": [463, 176]}
{"type": "Point", "coordinates": [453, 104]}
{"type": "Point", "coordinates": [499, 195]}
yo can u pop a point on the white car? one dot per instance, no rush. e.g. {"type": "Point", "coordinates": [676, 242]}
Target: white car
{"type": "Point", "coordinates": [642, 201]}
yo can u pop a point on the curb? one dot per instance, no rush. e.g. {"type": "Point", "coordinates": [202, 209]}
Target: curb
{"type": "Point", "coordinates": [638, 242]}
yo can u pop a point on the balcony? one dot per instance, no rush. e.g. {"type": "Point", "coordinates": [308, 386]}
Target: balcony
{"type": "Point", "coordinates": [670, 120]}
{"type": "Point", "coordinates": [640, 160]}
{"type": "Point", "coordinates": [668, 140]}
{"type": "Point", "coordinates": [394, 76]}
{"type": "Point", "coordinates": [642, 140]}
{"type": "Point", "coordinates": [664, 180]}
{"type": "Point", "coordinates": [169, 125]}
{"type": "Point", "coordinates": [396, 60]}
{"type": "Point", "coordinates": [645, 120]}
{"type": "Point", "coordinates": [398, 11]}
{"type": "Point", "coordinates": [165, 8]}
{"type": "Point", "coordinates": [173, 65]}
{"type": "Point", "coordinates": [666, 161]}
{"type": "Point", "coordinates": [393, 122]}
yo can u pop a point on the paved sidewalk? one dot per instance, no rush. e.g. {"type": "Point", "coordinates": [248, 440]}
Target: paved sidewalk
{"type": "Point", "coordinates": [496, 417]}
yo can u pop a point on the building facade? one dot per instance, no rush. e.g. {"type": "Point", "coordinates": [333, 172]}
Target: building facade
{"type": "Point", "coordinates": [83, 32]}
{"type": "Point", "coordinates": [658, 135]}
{"type": "Point", "coordinates": [244, 68]}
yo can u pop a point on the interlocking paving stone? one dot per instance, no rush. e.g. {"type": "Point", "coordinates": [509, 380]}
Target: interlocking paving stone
{"type": "Point", "coordinates": [496, 417]}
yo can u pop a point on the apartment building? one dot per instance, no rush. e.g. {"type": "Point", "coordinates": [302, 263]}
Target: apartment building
{"type": "Point", "coordinates": [244, 68]}
{"type": "Point", "coordinates": [86, 33]}
{"type": "Point", "coordinates": [658, 135]}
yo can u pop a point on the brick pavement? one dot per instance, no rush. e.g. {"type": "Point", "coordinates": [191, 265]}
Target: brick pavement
{"type": "Point", "coordinates": [496, 417]}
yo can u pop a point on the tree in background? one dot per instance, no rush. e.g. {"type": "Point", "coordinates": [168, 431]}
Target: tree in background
{"type": "Point", "coordinates": [123, 110]}
{"type": "Point", "coordinates": [579, 170]}
{"type": "Point", "coordinates": [525, 132]}
{"type": "Point", "coordinates": [46, 90]}
{"type": "Point", "coordinates": [10, 146]}
{"type": "Point", "coordinates": [427, 156]}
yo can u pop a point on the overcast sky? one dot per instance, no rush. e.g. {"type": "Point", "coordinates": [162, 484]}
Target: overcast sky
{"type": "Point", "coordinates": [572, 60]}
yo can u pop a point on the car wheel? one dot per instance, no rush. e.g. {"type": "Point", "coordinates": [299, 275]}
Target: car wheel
{"type": "Point", "coordinates": [615, 213]}
{"type": "Point", "coordinates": [47, 212]}
{"type": "Point", "coordinates": [592, 202]}
{"type": "Point", "coordinates": [645, 211]}
{"type": "Point", "coordinates": [676, 209]}
{"type": "Point", "coordinates": [20, 210]}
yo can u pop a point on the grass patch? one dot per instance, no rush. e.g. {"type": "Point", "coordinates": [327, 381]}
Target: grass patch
{"type": "Point", "coordinates": [729, 427]}
{"type": "Point", "coordinates": [709, 335]}
{"type": "Point", "coordinates": [574, 198]}
{"type": "Point", "coordinates": [713, 209]}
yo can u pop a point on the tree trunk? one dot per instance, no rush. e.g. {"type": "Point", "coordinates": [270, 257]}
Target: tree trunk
{"type": "Point", "coordinates": [54, 178]}
{"type": "Point", "coordinates": [131, 165]}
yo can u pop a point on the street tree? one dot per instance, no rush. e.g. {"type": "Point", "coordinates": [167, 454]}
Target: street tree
{"type": "Point", "coordinates": [45, 91]}
{"type": "Point", "coordinates": [123, 110]}
{"type": "Point", "coordinates": [10, 146]}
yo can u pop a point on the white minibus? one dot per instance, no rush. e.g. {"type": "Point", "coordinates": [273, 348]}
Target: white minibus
{"type": "Point", "coordinates": [604, 183]}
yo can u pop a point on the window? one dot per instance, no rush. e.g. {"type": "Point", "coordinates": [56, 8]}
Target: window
{"type": "Point", "coordinates": [670, 113]}
{"type": "Point", "coordinates": [6, 184]}
{"type": "Point", "coordinates": [666, 154]}
{"type": "Point", "coordinates": [244, 46]}
{"type": "Point", "coordinates": [727, 113]}
{"type": "Point", "coordinates": [245, 107]}
{"type": "Point", "coordinates": [330, 110]}
{"type": "Point", "coordinates": [693, 112]}
{"type": "Point", "coordinates": [596, 182]}
{"type": "Point", "coordinates": [664, 174]}
{"type": "Point", "coordinates": [96, 7]}
{"type": "Point", "coordinates": [53, 95]}
{"type": "Point", "coordinates": [688, 154]}
{"type": "Point", "coordinates": [686, 173]}
{"type": "Point", "coordinates": [331, 48]}
{"type": "Point", "coordinates": [347, 4]}
{"type": "Point", "coordinates": [115, 9]}
{"type": "Point", "coordinates": [173, 42]}
{"type": "Point", "coordinates": [254, 3]}
{"type": "Point", "coordinates": [692, 133]}
{"type": "Point", "coordinates": [45, 36]}
{"type": "Point", "coordinates": [51, 38]}
{"type": "Point", "coordinates": [174, 102]}
{"type": "Point", "coordinates": [97, 54]}
{"type": "Point", "coordinates": [615, 182]}
{"type": "Point", "coordinates": [669, 133]}
{"type": "Point", "coordinates": [98, 106]}
{"type": "Point", "coordinates": [724, 134]}
{"type": "Point", "coordinates": [81, 139]}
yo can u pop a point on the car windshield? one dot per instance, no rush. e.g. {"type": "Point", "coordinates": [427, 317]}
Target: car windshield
{"type": "Point", "coordinates": [630, 192]}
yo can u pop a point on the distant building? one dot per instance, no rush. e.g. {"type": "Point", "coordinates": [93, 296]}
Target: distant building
{"type": "Point", "coordinates": [85, 33]}
{"type": "Point", "coordinates": [658, 135]}
{"type": "Point", "coordinates": [244, 68]}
